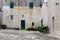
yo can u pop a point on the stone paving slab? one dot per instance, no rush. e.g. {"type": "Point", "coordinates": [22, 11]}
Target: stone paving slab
{"type": "Point", "coordinates": [23, 35]}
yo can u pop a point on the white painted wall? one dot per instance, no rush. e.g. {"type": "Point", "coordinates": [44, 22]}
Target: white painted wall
{"type": "Point", "coordinates": [54, 11]}
{"type": "Point", "coordinates": [44, 14]}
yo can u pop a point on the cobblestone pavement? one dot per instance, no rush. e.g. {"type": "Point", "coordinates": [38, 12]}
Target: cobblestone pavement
{"type": "Point", "coordinates": [23, 35]}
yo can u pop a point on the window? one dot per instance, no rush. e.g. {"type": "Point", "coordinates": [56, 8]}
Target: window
{"type": "Point", "coordinates": [31, 5]}
{"type": "Point", "coordinates": [32, 23]}
{"type": "Point", "coordinates": [11, 5]}
{"type": "Point", "coordinates": [11, 16]}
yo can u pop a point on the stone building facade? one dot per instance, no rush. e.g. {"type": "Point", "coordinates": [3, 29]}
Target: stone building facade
{"type": "Point", "coordinates": [28, 13]}
{"type": "Point", "coordinates": [54, 17]}
{"type": "Point", "coordinates": [21, 13]}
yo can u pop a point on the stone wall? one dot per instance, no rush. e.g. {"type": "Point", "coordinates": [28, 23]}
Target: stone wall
{"type": "Point", "coordinates": [30, 15]}
{"type": "Point", "coordinates": [21, 7]}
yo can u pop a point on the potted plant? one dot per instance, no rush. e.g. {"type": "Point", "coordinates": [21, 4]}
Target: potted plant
{"type": "Point", "coordinates": [45, 29]}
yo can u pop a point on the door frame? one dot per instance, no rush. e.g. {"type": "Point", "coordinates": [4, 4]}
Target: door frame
{"type": "Point", "coordinates": [22, 24]}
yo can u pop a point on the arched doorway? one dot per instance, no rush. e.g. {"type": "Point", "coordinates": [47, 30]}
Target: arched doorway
{"type": "Point", "coordinates": [53, 21]}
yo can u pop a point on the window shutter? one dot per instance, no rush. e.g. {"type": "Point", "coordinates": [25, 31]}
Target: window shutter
{"type": "Point", "coordinates": [31, 5]}
{"type": "Point", "coordinates": [11, 5]}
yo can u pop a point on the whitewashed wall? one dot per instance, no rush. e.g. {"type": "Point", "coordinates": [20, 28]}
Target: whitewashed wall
{"type": "Point", "coordinates": [57, 28]}
{"type": "Point", "coordinates": [54, 11]}
{"type": "Point", "coordinates": [44, 13]}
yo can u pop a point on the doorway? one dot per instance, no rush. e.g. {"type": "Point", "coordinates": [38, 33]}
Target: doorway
{"type": "Point", "coordinates": [53, 23]}
{"type": "Point", "coordinates": [22, 24]}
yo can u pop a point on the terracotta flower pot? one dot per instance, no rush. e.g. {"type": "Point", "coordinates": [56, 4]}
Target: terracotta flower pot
{"type": "Point", "coordinates": [45, 31]}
